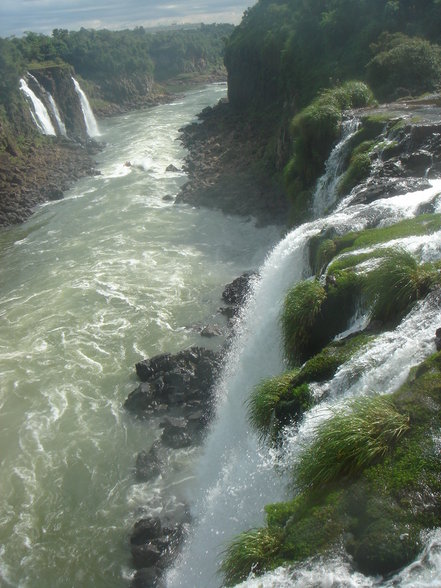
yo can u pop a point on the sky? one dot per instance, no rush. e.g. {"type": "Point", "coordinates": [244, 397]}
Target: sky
{"type": "Point", "coordinates": [42, 16]}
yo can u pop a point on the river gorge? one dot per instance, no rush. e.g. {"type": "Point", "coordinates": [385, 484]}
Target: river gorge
{"type": "Point", "coordinates": [91, 284]}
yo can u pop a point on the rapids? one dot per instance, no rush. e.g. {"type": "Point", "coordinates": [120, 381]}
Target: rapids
{"type": "Point", "coordinates": [88, 286]}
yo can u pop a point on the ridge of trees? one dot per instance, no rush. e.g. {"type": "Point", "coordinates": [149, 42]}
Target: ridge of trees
{"type": "Point", "coordinates": [99, 54]}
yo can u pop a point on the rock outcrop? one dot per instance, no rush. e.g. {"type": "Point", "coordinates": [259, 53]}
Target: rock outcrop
{"type": "Point", "coordinates": [225, 156]}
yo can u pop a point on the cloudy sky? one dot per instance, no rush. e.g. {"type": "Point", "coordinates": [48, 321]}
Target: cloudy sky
{"type": "Point", "coordinates": [42, 16]}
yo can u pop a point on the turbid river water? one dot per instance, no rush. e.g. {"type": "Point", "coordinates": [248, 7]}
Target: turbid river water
{"type": "Point", "coordinates": [88, 286]}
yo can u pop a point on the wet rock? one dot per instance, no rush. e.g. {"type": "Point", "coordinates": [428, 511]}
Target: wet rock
{"type": "Point", "coordinates": [237, 291]}
{"type": "Point", "coordinates": [171, 168]}
{"type": "Point", "coordinates": [211, 331]}
{"type": "Point", "coordinates": [148, 465]}
{"type": "Point", "coordinates": [388, 187]}
{"type": "Point", "coordinates": [175, 433]}
{"type": "Point", "coordinates": [438, 339]}
{"type": "Point", "coordinates": [174, 380]}
{"type": "Point", "coordinates": [141, 399]}
{"type": "Point", "coordinates": [145, 555]}
{"type": "Point", "coordinates": [167, 198]}
{"type": "Point", "coordinates": [145, 530]}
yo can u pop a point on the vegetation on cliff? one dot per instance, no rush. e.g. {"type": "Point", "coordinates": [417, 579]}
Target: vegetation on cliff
{"type": "Point", "coordinates": [294, 58]}
{"type": "Point", "coordinates": [370, 481]}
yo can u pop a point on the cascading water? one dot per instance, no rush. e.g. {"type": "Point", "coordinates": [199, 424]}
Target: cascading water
{"type": "Point", "coordinates": [325, 192]}
{"type": "Point", "coordinates": [89, 118]}
{"type": "Point", "coordinates": [236, 474]}
{"type": "Point", "coordinates": [56, 113]}
{"type": "Point", "coordinates": [39, 112]}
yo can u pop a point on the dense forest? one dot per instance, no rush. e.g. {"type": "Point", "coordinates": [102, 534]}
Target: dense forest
{"type": "Point", "coordinates": [291, 70]}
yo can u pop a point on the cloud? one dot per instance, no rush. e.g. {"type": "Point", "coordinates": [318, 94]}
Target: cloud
{"type": "Point", "coordinates": [17, 16]}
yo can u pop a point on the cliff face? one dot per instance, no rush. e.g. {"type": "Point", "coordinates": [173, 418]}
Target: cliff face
{"type": "Point", "coordinates": [58, 82]}
{"type": "Point", "coordinates": [35, 167]}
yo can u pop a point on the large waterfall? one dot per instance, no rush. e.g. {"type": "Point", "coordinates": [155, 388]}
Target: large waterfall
{"type": "Point", "coordinates": [38, 110]}
{"type": "Point", "coordinates": [89, 118]}
{"type": "Point", "coordinates": [237, 475]}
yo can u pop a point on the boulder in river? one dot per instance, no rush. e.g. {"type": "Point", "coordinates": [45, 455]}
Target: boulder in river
{"type": "Point", "coordinates": [184, 378]}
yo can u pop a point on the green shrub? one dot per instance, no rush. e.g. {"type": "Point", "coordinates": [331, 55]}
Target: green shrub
{"type": "Point", "coordinates": [397, 282]}
{"type": "Point", "coordinates": [252, 551]}
{"type": "Point", "coordinates": [410, 64]}
{"type": "Point", "coordinates": [351, 439]}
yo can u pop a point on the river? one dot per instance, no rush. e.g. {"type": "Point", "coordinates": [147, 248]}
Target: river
{"type": "Point", "coordinates": [88, 286]}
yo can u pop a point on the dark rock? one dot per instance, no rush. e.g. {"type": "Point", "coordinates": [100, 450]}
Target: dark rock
{"type": "Point", "coordinates": [438, 339]}
{"type": "Point", "coordinates": [211, 331]}
{"type": "Point", "coordinates": [167, 198]}
{"type": "Point", "coordinates": [145, 530]}
{"type": "Point", "coordinates": [378, 188]}
{"type": "Point", "coordinates": [172, 168]}
{"type": "Point", "coordinates": [175, 434]}
{"type": "Point", "coordinates": [148, 465]}
{"type": "Point", "coordinates": [142, 398]}
{"type": "Point", "coordinates": [145, 555]}
{"type": "Point", "coordinates": [174, 379]}
{"type": "Point", "coordinates": [237, 291]}
{"type": "Point", "coordinates": [417, 162]}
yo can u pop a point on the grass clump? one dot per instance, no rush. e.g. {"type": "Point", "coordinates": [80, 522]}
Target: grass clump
{"type": "Point", "coordinates": [251, 551]}
{"type": "Point", "coordinates": [313, 314]}
{"type": "Point", "coordinates": [301, 309]}
{"type": "Point", "coordinates": [359, 168]}
{"type": "Point", "coordinates": [397, 282]}
{"type": "Point", "coordinates": [423, 224]}
{"type": "Point", "coordinates": [324, 364]}
{"type": "Point", "coordinates": [267, 397]}
{"type": "Point", "coordinates": [351, 440]}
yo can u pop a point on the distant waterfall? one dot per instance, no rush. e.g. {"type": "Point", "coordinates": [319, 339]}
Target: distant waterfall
{"type": "Point", "coordinates": [39, 112]}
{"type": "Point", "coordinates": [89, 118]}
{"type": "Point", "coordinates": [56, 113]}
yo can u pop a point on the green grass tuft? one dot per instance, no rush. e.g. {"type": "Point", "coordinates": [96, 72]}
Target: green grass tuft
{"type": "Point", "coordinates": [397, 282]}
{"type": "Point", "coordinates": [252, 551]}
{"type": "Point", "coordinates": [302, 306]}
{"type": "Point", "coordinates": [264, 399]}
{"type": "Point", "coordinates": [351, 439]}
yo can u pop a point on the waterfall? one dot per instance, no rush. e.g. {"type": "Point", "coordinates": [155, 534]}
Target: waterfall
{"type": "Point", "coordinates": [89, 118]}
{"type": "Point", "coordinates": [325, 194]}
{"type": "Point", "coordinates": [56, 113]}
{"type": "Point", "coordinates": [236, 476]}
{"type": "Point", "coordinates": [39, 112]}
